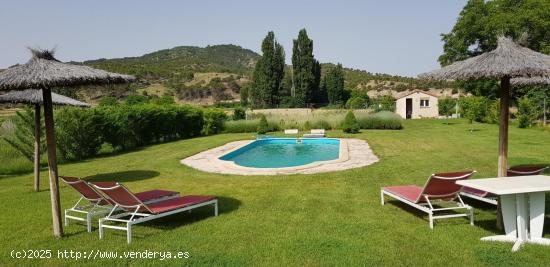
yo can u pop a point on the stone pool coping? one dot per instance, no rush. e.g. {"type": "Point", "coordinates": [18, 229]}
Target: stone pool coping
{"type": "Point", "coordinates": [354, 153]}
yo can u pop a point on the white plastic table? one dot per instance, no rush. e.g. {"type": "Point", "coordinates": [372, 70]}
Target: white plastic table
{"type": "Point", "coordinates": [522, 199]}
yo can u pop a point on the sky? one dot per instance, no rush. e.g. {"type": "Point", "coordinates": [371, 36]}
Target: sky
{"type": "Point", "coordinates": [398, 37]}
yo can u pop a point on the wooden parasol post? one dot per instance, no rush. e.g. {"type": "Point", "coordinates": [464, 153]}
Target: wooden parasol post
{"type": "Point", "coordinates": [37, 147]}
{"type": "Point", "coordinates": [52, 162]}
{"type": "Point", "coordinates": [503, 131]}
{"type": "Point", "coordinates": [503, 138]}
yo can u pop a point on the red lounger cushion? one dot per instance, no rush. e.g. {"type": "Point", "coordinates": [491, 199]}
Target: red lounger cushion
{"type": "Point", "coordinates": [408, 192]}
{"type": "Point", "coordinates": [178, 203]}
{"type": "Point", "coordinates": [154, 194]}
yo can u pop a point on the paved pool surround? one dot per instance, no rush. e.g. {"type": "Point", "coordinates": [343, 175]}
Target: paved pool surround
{"type": "Point", "coordinates": [354, 153]}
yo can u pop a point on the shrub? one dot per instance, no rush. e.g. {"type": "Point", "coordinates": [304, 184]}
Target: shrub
{"type": "Point", "coordinates": [214, 120]}
{"type": "Point", "coordinates": [356, 103]}
{"type": "Point", "coordinates": [493, 111]}
{"type": "Point", "coordinates": [241, 126]}
{"type": "Point", "coordinates": [350, 124]}
{"type": "Point", "coordinates": [474, 108]}
{"type": "Point", "coordinates": [381, 120]}
{"type": "Point", "coordinates": [136, 99]}
{"type": "Point", "coordinates": [307, 126]}
{"type": "Point", "coordinates": [321, 124]}
{"type": "Point", "coordinates": [239, 113]}
{"type": "Point", "coordinates": [129, 126]}
{"type": "Point", "coordinates": [446, 106]}
{"type": "Point", "coordinates": [163, 100]}
{"type": "Point", "coordinates": [79, 132]}
{"type": "Point", "coordinates": [24, 137]}
{"type": "Point", "coordinates": [108, 101]}
{"type": "Point", "coordinates": [263, 127]}
{"type": "Point", "coordinates": [527, 112]}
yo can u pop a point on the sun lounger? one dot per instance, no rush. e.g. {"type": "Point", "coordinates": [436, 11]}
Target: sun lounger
{"type": "Point", "coordinates": [291, 131]}
{"type": "Point", "coordinates": [98, 205]}
{"type": "Point", "coordinates": [514, 171]}
{"type": "Point", "coordinates": [441, 187]}
{"type": "Point", "coordinates": [139, 212]}
{"type": "Point", "coordinates": [315, 133]}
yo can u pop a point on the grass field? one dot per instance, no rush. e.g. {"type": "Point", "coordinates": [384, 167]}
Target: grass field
{"type": "Point", "coordinates": [329, 219]}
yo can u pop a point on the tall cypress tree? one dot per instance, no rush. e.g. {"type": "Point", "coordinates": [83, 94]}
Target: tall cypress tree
{"type": "Point", "coordinates": [306, 70]}
{"type": "Point", "coordinates": [268, 73]}
{"type": "Point", "coordinates": [334, 82]}
{"type": "Point", "coordinates": [318, 94]}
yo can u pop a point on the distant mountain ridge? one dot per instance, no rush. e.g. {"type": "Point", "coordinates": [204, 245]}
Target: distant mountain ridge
{"type": "Point", "coordinates": [180, 61]}
{"type": "Point", "coordinates": [193, 74]}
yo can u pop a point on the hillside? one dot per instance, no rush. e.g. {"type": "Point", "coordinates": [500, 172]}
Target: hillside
{"type": "Point", "coordinates": [356, 79]}
{"type": "Point", "coordinates": [179, 63]}
{"type": "Point", "coordinates": [205, 75]}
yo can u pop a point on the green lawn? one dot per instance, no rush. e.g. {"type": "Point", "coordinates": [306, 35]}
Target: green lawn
{"type": "Point", "coordinates": [298, 220]}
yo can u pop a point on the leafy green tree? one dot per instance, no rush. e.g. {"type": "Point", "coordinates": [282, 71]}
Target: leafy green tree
{"type": "Point", "coordinates": [350, 124]}
{"type": "Point", "coordinates": [319, 94]}
{"type": "Point", "coordinates": [474, 108]}
{"type": "Point", "coordinates": [384, 103]}
{"type": "Point", "coordinates": [263, 126]}
{"type": "Point", "coordinates": [23, 139]}
{"type": "Point", "coordinates": [493, 111]}
{"type": "Point", "coordinates": [481, 22]}
{"type": "Point", "coordinates": [447, 106]}
{"type": "Point", "coordinates": [356, 103]}
{"type": "Point", "coordinates": [268, 73]}
{"type": "Point", "coordinates": [79, 132]}
{"type": "Point", "coordinates": [306, 72]}
{"type": "Point", "coordinates": [527, 112]}
{"type": "Point", "coordinates": [334, 82]}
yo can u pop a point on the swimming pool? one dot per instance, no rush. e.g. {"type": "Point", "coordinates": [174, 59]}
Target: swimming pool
{"type": "Point", "coordinates": [284, 152]}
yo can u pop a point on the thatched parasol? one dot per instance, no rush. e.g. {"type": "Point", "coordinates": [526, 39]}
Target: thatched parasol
{"type": "Point", "coordinates": [508, 60]}
{"type": "Point", "coordinates": [531, 81]}
{"type": "Point", "coordinates": [34, 97]}
{"type": "Point", "coordinates": [44, 72]}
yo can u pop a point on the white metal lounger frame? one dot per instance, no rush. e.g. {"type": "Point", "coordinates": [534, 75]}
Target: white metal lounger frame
{"type": "Point", "coordinates": [493, 200]}
{"type": "Point", "coordinates": [136, 217]}
{"type": "Point", "coordinates": [490, 200]}
{"type": "Point", "coordinates": [428, 207]}
{"type": "Point", "coordinates": [94, 209]}
{"type": "Point", "coordinates": [90, 210]}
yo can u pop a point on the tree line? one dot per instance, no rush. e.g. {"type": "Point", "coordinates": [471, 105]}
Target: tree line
{"type": "Point", "coordinates": [274, 85]}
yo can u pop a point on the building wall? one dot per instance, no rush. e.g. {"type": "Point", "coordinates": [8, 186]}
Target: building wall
{"type": "Point", "coordinates": [432, 111]}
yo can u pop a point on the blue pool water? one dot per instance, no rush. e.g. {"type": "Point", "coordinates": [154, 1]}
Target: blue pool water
{"type": "Point", "coordinates": [287, 152]}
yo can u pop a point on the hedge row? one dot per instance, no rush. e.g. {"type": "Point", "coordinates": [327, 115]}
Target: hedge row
{"type": "Point", "coordinates": [379, 120]}
{"type": "Point", "coordinates": [82, 132]}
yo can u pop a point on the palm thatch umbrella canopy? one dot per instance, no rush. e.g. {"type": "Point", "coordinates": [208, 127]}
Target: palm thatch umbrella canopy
{"type": "Point", "coordinates": [44, 72]}
{"type": "Point", "coordinates": [509, 60]}
{"type": "Point", "coordinates": [35, 97]}
{"type": "Point", "coordinates": [531, 81]}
